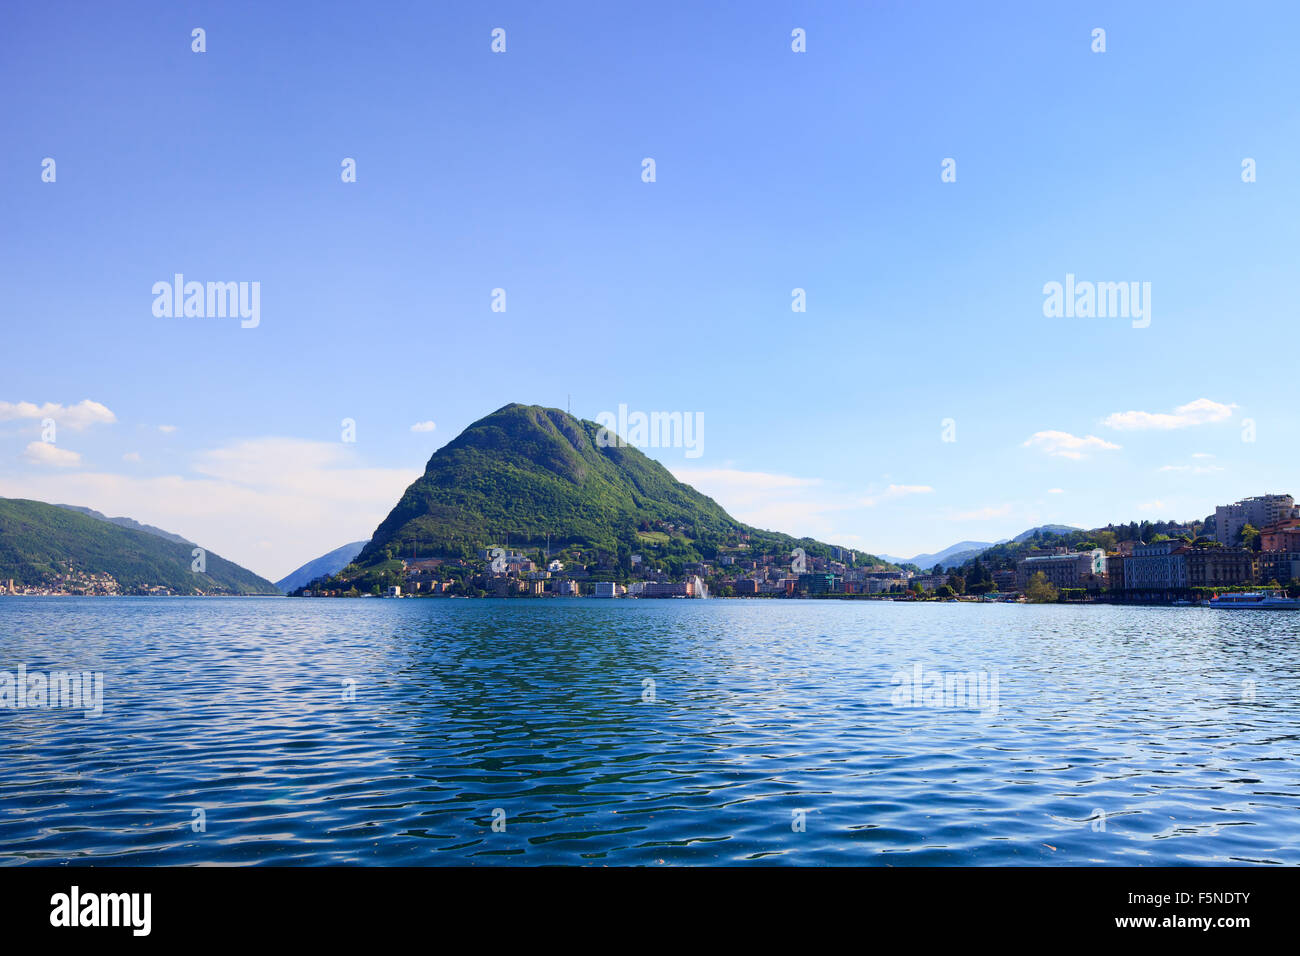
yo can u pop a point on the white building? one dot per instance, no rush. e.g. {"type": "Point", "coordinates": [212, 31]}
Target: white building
{"type": "Point", "coordinates": [605, 589]}
{"type": "Point", "coordinates": [1260, 511]}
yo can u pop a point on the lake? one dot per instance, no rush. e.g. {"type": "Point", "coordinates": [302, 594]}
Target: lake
{"type": "Point", "coordinates": [497, 732]}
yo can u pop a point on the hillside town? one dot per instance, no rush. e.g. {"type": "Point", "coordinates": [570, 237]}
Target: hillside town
{"type": "Point", "coordinates": [1249, 543]}
{"type": "Point", "coordinates": [1254, 542]}
{"type": "Point", "coordinates": [71, 581]}
{"type": "Point", "coordinates": [75, 583]}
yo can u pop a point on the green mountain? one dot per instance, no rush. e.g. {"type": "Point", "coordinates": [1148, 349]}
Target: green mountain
{"type": "Point", "coordinates": [525, 472]}
{"type": "Point", "coordinates": [40, 544]}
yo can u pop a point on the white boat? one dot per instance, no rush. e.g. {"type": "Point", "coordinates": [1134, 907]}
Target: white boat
{"type": "Point", "coordinates": [1261, 600]}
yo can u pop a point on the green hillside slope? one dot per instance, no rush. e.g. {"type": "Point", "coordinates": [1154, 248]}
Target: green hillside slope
{"type": "Point", "coordinates": [525, 472]}
{"type": "Point", "coordinates": [42, 545]}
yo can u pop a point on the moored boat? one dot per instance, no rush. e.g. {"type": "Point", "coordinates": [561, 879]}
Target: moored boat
{"type": "Point", "coordinates": [1261, 600]}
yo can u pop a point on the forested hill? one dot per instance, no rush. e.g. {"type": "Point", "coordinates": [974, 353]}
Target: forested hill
{"type": "Point", "coordinates": [42, 545]}
{"type": "Point", "coordinates": [525, 472]}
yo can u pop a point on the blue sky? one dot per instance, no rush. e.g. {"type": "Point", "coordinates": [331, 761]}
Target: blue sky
{"type": "Point", "coordinates": [775, 170]}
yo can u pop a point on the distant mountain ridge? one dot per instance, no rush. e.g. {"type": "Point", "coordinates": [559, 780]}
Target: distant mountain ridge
{"type": "Point", "coordinates": [1045, 529]}
{"type": "Point", "coordinates": [963, 551]}
{"type": "Point", "coordinates": [327, 564]}
{"type": "Point", "coordinates": [129, 523]}
{"type": "Point", "coordinates": [930, 560]}
{"type": "Point", "coordinates": [41, 543]}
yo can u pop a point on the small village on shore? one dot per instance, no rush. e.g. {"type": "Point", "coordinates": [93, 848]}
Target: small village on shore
{"type": "Point", "coordinates": [1252, 543]}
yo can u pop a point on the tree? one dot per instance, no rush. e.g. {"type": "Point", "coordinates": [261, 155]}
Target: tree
{"type": "Point", "coordinates": [1039, 590]}
{"type": "Point", "coordinates": [979, 580]}
{"type": "Point", "coordinates": [1250, 538]}
{"type": "Point", "coordinates": [944, 591]}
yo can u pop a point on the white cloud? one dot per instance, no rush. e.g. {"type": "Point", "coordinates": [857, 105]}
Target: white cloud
{"type": "Point", "coordinates": [1201, 454]}
{"type": "Point", "coordinates": [1152, 506]}
{"type": "Point", "coordinates": [1056, 491]}
{"type": "Point", "coordinates": [423, 427]}
{"type": "Point", "coordinates": [1065, 445]}
{"type": "Point", "coordinates": [1200, 412]}
{"type": "Point", "coordinates": [167, 429]}
{"type": "Point", "coordinates": [76, 417]}
{"type": "Point", "coordinates": [896, 491]}
{"type": "Point", "coordinates": [47, 453]}
{"type": "Point", "coordinates": [131, 456]}
{"type": "Point", "coordinates": [788, 503]}
{"type": "Point", "coordinates": [782, 503]}
{"type": "Point", "coordinates": [270, 462]}
{"type": "Point", "coordinates": [303, 498]}
{"type": "Point", "coordinates": [1193, 469]}
{"type": "Point", "coordinates": [749, 481]}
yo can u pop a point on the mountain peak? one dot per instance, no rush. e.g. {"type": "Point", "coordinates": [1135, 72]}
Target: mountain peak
{"type": "Point", "coordinates": [529, 475]}
{"type": "Point", "coordinates": [547, 437]}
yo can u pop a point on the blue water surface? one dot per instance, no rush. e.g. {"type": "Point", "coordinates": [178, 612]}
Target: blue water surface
{"type": "Point", "coordinates": [496, 732]}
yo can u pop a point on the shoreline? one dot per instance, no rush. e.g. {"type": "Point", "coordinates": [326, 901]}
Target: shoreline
{"type": "Point", "coordinates": [854, 598]}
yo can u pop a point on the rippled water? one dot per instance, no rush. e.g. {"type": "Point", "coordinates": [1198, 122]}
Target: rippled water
{"type": "Point", "coordinates": [647, 732]}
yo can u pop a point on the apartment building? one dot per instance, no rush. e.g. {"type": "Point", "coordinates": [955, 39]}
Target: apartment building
{"type": "Point", "coordinates": [1115, 569]}
{"type": "Point", "coordinates": [668, 589]}
{"type": "Point", "coordinates": [1280, 565]}
{"type": "Point", "coordinates": [817, 583]}
{"type": "Point", "coordinates": [930, 582]}
{"type": "Point", "coordinates": [1156, 567]}
{"type": "Point", "coordinates": [1218, 567]}
{"type": "Point", "coordinates": [1077, 569]}
{"type": "Point", "coordinates": [1258, 511]}
{"type": "Point", "coordinates": [1282, 535]}
{"type": "Point", "coordinates": [1006, 580]}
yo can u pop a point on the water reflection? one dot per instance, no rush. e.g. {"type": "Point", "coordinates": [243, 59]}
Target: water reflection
{"type": "Point", "coordinates": [492, 732]}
